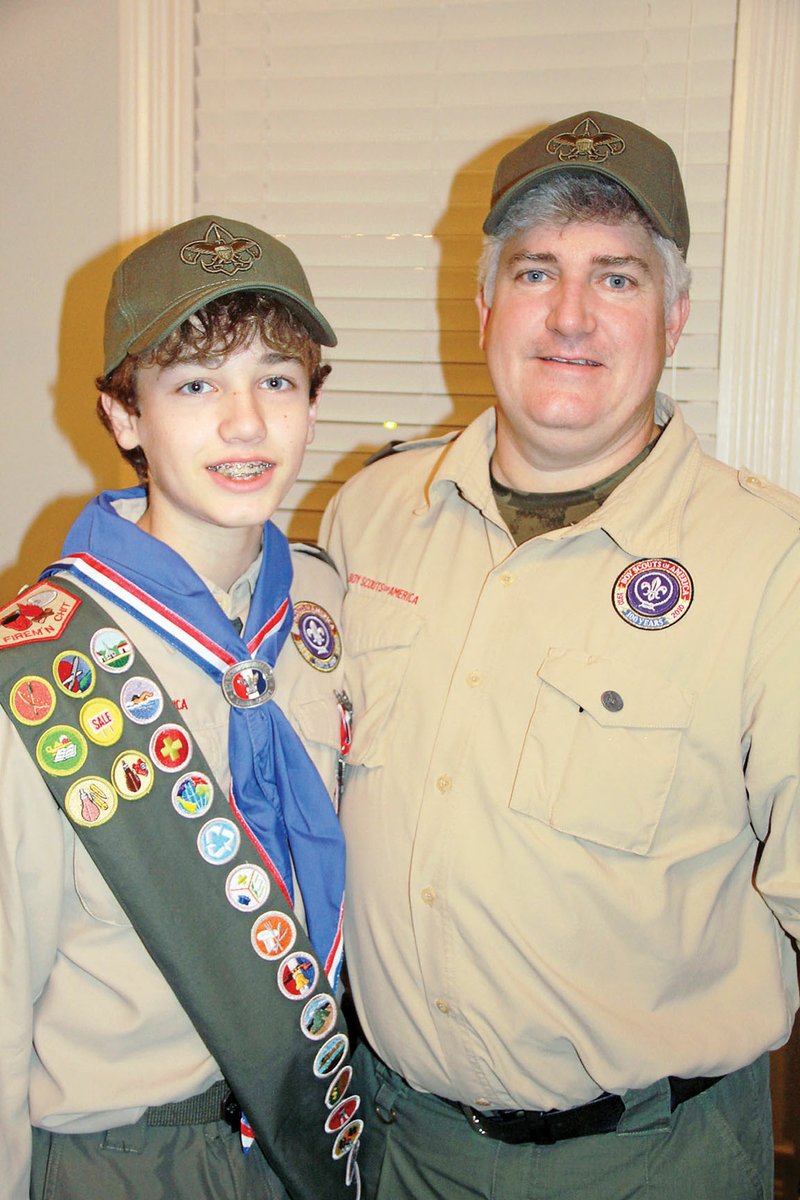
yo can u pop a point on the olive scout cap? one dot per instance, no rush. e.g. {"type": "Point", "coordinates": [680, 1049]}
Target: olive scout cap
{"type": "Point", "coordinates": [167, 279]}
{"type": "Point", "coordinates": [593, 141]}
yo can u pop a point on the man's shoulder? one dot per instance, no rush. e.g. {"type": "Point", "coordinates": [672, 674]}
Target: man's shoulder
{"type": "Point", "coordinates": [403, 465]}
{"type": "Point", "coordinates": [316, 579]}
{"type": "Point", "coordinates": [770, 493]}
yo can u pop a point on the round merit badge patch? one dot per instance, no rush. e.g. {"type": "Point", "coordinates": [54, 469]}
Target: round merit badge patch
{"type": "Point", "coordinates": [653, 593]}
{"type": "Point", "coordinates": [315, 636]}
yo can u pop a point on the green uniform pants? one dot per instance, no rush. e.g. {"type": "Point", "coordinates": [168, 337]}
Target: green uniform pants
{"type": "Point", "coordinates": [145, 1162]}
{"type": "Point", "coordinates": [716, 1146]}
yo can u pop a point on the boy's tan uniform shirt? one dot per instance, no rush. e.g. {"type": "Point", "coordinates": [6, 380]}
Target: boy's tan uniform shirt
{"type": "Point", "coordinates": [552, 816]}
{"type": "Point", "coordinates": [109, 1037]}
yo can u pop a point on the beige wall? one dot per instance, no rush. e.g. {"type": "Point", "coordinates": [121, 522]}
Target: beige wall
{"type": "Point", "coordinates": [58, 228]}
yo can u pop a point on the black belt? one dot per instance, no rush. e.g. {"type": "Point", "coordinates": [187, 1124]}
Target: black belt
{"type": "Point", "coordinates": [545, 1128]}
{"type": "Point", "coordinates": [218, 1103]}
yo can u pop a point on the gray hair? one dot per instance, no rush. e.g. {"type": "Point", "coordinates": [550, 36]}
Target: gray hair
{"type": "Point", "coordinates": [580, 196]}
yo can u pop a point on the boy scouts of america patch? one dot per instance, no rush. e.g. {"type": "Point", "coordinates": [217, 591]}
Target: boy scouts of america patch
{"type": "Point", "coordinates": [315, 636]}
{"type": "Point", "coordinates": [39, 614]}
{"type": "Point", "coordinates": [653, 593]}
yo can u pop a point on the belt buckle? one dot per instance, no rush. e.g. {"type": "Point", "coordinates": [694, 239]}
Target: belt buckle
{"type": "Point", "coordinates": [231, 1112]}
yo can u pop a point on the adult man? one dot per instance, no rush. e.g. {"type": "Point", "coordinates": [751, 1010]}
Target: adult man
{"type": "Point", "coordinates": [571, 816]}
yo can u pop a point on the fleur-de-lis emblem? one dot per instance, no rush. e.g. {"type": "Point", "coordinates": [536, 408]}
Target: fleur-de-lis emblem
{"type": "Point", "coordinates": [586, 141]}
{"type": "Point", "coordinates": [219, 250]}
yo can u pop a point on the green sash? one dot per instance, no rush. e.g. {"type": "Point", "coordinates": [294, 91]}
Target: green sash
{"type": "Point", "coordinates": [143, 801]}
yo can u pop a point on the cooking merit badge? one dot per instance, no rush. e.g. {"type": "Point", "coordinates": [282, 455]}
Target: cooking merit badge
{"type": "Point", "coordinates": [653, 593]}
{"type": "Point", "coordinates": [315, 636]}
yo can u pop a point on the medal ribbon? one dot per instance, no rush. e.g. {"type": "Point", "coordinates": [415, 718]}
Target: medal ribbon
{"type": "Point", "coordinates": [275, 787]}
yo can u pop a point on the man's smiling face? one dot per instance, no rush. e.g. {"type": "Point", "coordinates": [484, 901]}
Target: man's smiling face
{"type": "Point", "coordinates": [575, 339]}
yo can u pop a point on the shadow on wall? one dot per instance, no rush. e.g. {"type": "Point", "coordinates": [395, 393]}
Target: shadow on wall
{"type": "Point", "coordinates": [460, 236]}
{"type": "Point", "coordinates": [74, 396]}
{"type": "Point", "coordinates": [458, 232]}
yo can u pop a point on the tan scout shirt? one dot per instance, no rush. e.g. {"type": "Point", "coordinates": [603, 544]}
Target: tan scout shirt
{"type": "Point", "coordinates": [552, 815]}
{"type": "Point", "coordinates": [109, 1037]}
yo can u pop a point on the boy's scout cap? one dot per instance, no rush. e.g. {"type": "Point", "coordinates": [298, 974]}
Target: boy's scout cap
{"type": "Point", "coordinates": [593, 141]}
{"type": "Point", "coordinates": [167, 279]}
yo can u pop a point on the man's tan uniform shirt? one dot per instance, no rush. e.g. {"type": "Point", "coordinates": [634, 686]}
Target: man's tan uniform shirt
{"type": "Point", "coordinates": [109, 1038]}
{"type": "Point", "coordinates": [554, 816]}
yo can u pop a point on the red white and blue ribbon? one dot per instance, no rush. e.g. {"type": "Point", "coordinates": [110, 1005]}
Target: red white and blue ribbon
{"type": "Point", "coordinates": [276, 790]}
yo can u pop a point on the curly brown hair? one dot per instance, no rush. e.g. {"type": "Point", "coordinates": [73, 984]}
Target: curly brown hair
{"type": "Point", "coordinates": [226, 324]}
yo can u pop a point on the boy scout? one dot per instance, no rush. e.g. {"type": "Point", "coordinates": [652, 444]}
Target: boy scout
{"type": "Point", "coordinates": [155, 970]}
{"type": "Point", "coordinates": [573, 813]}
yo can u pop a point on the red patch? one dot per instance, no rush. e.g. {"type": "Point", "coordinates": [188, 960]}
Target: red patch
{"type": "Point", "coordinates": [39, 614]}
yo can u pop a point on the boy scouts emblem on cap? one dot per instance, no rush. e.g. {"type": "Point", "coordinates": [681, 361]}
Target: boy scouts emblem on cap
{"type": "Point", "coordinates": [586, 141]}
{"type": "Point", "coordinates": [221, 251]}
{"type": "Point", "coordinates": [315, 636]}
{"type": "Point", "coordinates": [653, 593]}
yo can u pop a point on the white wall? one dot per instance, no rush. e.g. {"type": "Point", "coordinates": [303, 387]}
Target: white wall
{"type": "Point", "coordinates": [59, 230]}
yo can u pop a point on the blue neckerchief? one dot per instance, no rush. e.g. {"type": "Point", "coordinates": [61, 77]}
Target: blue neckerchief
{"type": "Point", "coordinates": [274, 783]}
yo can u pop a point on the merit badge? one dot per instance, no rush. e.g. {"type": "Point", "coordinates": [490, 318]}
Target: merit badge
{"type": "Point", "coordinates": [101, 721]}
{"type": "Point", "coordinates": [330, 1055]}
{"type": "Point", "coordinates": [318, 1017]}
{"type": "Point", "coordinates": [273, 935]}
{"type": "Point", "coordinates": [218, 841]}
{"type": "Point", "coordinates": [352, 1175]}
{"type": "Point", "coordinates": [61, 750]}
{"type": "Point", "coordinates": [73, 673]}
{"type": "Point", "coordinates": [40, 614]}
{"type": "Point", "coordinates": [90, 801]}
{"type": "Point", "coordinates": [347, 1138]}
{"type": "Point", "coordinates": [297, 976]}
{"type": "Point", "coordinates": [339, 1087]}
{"type": "Point", "coordinates": [192, 794]}
{"type": "Point", "coordinates": [249, 683]}
{"type": "Point", "coordinates": [132, 775]}
{"type": "Point", "coordinates": [32, 700]}
{"type": "Point", "coordinates": [111, 650]}
{"type": "Point", "coordinates": [344, 1112]}
{"type": "Point", "coordinates": [653, 593]}
{"type": "Point", "coordinates": [170, 747]}
{"type": "Point", "coordinates": [141, 699]}
{"type": "Point", "coordinates": [247, 887]}
{"type": "Point", "coordinates": [315, 636]}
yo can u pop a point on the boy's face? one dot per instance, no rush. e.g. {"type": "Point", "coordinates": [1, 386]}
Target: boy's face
{"type": "Point", "coordinates": [224, 443]}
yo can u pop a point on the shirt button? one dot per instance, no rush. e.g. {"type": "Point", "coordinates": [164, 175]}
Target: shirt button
{"type": "Point", "coordinates": [506, 579]}
{"type": "Point", "coordinates": [443, 1006]}
{"type": "Point", "coordinates": [444, 783]}
{"type": "Point", "coordinates": [474, 678]}
{"type": "Point", "coordinates": [754, 481]}
{"type": "Point", "coordinates": [429, 895]}
{"type": "Point", "coordinates": [612, 701]}
{"type": "Point", "coordinates": [480, 1102]}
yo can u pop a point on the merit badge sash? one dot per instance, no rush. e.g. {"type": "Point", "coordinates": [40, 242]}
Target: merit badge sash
{"type": "Point", "coordinates": [195, 882]}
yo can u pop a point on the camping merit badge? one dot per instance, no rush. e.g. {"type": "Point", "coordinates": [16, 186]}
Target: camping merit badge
{"type": "Point", "coordinates": [653, 593]}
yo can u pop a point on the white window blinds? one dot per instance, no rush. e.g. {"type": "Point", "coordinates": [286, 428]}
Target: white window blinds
{"type": "Point", "coordinates": [365, 133]}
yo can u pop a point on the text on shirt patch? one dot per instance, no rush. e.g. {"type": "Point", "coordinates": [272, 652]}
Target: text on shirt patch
{"type": "Point", "coordinates": [653, 593]}
{"type": "Point", "coordinates": [386, 589]}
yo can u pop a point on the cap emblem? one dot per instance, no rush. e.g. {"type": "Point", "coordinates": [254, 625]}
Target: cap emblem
{"type": "Point", "coordinates": [586, 141]}
{"type": "Point", "coordinates": [219, 250]}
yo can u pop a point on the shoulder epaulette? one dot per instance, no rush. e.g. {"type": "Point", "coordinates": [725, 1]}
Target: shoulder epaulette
{"type": "Point", "coordinates": [778, 497]}
{"type": "Point", "coordinates": [399, 447]}
{"type": "Point", "coordinates": [315, 551]}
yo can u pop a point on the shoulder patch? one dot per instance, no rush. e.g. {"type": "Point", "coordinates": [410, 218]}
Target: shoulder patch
{"type": "Point", "coordinates": [39, 614]}
{"type": "Point", "coordinates": [314, 551]}
{"type": "Point", "coordinates": [778, 497]}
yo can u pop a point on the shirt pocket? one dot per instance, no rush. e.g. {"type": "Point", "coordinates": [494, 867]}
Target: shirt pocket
{"type": "Point", "coordinates": [379, 637]}
{"type": "Point", "coordinates": [601, 749]}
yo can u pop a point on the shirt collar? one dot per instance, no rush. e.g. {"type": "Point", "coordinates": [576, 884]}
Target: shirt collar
{"type": "Point", "coordinates": [643, 522]}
